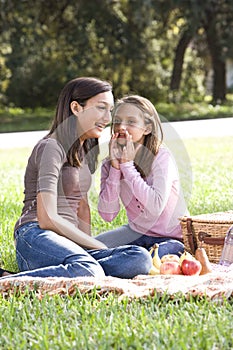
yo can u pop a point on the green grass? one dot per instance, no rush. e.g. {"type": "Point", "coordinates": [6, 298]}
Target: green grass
{"type": "Point", "coordinates": [194, 111]}
{"type": "Point", "coordinates": [88, 323]}
{"type": "Point", "coordinates": [212, 165]}
{"type": "Point", "coordinates": [93, 322]}
{"type": "Point", "coordinates": [18, 119]}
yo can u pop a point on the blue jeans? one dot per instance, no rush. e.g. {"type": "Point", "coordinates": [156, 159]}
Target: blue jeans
{"type": "Point", "coordinates": [43, 253]}
{"type": "Point", "coordinates": [125, 235]}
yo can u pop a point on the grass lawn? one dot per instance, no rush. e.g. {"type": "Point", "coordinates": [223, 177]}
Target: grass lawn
{"type": "Point", "coordinates": [88, 322]}
{"type": "Point", "coordinates": [18, 119]}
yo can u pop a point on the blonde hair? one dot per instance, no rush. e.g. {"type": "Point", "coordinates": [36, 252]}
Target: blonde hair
{"type": "Point", "coordinates": [152, 141]}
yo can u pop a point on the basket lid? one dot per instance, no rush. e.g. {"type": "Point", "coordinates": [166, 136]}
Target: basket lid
{"type": "Point", "coordinates": [218, 217]}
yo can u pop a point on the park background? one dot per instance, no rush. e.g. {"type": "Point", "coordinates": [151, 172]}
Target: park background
{"type": "Point", "coordinates": [178, 53]}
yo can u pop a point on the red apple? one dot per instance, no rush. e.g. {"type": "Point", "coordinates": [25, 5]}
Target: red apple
{"type": "Point", "coordinates": [170, 268]}
{"type": "Point", "coordinates": [191, 267]}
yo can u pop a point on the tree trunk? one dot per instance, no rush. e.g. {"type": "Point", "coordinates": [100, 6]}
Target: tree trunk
{"type": "Point", "coordinates": [218, 61]}
{"type": "Point", "coordinates": [219, 69]}
{"type": "Point", "coordinates": [178, 62]}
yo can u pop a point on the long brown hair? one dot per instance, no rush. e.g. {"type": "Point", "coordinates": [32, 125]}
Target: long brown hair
{"type": "Point", "coordinates": [64, 125]}
{"type": "Point", "coordinates": [145, 156]}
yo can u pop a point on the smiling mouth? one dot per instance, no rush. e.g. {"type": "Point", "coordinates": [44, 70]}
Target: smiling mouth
{"type": "Point", "coordinates": [121, 136]}
{"type": "Point", "coordinates": [101, 126]}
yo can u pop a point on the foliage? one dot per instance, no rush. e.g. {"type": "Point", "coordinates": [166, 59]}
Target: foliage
{"type": "Point", "coordinates": [129, 42]}
{"type": "Point", "coordinates": [203, 27]}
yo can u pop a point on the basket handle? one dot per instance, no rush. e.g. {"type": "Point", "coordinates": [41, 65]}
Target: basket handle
{"type": "Point", "coordinates": [191, 240]}
{"type": "Point", "coordinates": [207, 239]}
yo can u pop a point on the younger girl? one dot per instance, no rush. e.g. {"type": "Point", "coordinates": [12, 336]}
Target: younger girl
{"type": "Point", "coordinates": [142, 173]}
{"type": "Point", "coordinates": [52, 235]}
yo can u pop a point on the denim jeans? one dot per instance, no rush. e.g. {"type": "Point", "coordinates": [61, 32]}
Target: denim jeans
{"type": "Point", "coordinates": [125, 235]}
{"type": "Point", "coordinates": [43, 253]}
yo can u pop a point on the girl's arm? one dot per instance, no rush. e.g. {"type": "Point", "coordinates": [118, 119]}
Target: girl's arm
{"type": "Point", "coordinates": [109, 202]}
{"type": "Point", "coordinates": [49, 219]}
{"type": "Point", "coordinates": [49, 160]}
{"type": "Point", "coordinates": [154, 194]}
{"type": "Point", "coordinates": [84, 216]}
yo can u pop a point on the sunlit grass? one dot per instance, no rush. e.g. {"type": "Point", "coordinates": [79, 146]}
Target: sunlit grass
{"type": "Point", "coordinates": [18, 119]}
{"type": "Point", "coordinates": [212, 164]}
{"type": "Point", "coordinates": [195, 111]}
{"type": "Point", "coordinates": [88, 322]}
{"type": "Point", "coordinates": [93, 322]}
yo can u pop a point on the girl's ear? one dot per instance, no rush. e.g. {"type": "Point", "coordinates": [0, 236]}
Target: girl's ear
{"type": "Point", "coordinates": [148, 129]}
{"type": "Point", "coordinates": [75, 107]}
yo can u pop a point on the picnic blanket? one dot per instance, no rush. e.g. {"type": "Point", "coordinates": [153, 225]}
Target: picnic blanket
{"type": "Point", "coordinates": [217, 285]}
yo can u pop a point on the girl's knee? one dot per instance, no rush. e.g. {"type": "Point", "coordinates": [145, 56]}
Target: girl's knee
{"type": "Point", "coordinates": [90, 269]}
{"type": "Point", "coordinates": [171, 246]}
{"type": "Point", "coordinates": [142, 260]}
{"type": "Point", "coordinates": [83, 264]}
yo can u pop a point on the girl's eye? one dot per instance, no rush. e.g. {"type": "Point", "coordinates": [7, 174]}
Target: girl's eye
{"type": "Point", "coordinates": [129, 122]}
{"type": "Point", "coordinates": [102, 108]}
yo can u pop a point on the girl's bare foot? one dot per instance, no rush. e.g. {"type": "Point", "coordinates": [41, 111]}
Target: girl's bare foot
{"type": "Point", "coordinates": [5, 273]}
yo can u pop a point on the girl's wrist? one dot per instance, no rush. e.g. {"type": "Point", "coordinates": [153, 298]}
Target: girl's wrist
{"type": "Point", "coordinates": [115, 164]}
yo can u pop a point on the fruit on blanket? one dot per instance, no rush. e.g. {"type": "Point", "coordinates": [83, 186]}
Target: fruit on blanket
{"type": "Point", "coordinates": [156, 259]}
{"type": "Point", "coordinates": [152, 250]}
{"type": "Point", "coordinates": [154, 271]}
{"type": "Point", "coordinates": [186, 255]}
{"type": "Point", "coordinates": [170, 257]}
{"type": "Point", "coordinates": [191, 267]}
{"type": "Point", "coordinates": [170, 268]}
{"type": "Point", "coordinates": [200, 255]}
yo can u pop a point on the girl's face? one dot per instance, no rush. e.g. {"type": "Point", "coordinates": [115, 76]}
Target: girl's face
{"type": "Point", "coordinates": [129, 118]}
{"type": "Point", "coordinates": [94, 116]}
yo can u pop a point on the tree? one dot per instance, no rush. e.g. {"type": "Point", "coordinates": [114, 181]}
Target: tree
{"type": "Point", "coordinates": [145, 47]}
{"type": "Point", "coordinates": [216, 17]}
{"type": "Point", "coordinates": [182, 45]}
{"type": "Point", "coordinates": [217, 22]}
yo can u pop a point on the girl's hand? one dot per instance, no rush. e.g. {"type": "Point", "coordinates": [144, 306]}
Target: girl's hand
{"type": "Point", "coordinates": [114, 152]}
{"type": "Point", "coordinates": [129, 150]}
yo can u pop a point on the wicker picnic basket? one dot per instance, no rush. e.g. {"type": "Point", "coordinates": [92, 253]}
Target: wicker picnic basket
{"type": "Point", "coordinates": [208, 231]}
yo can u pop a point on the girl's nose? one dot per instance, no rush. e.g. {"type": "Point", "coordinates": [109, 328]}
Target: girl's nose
{"type": "Point", "coordinates": [122, 126]}
{"type": "Point", "coordinates": [107, 116]}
